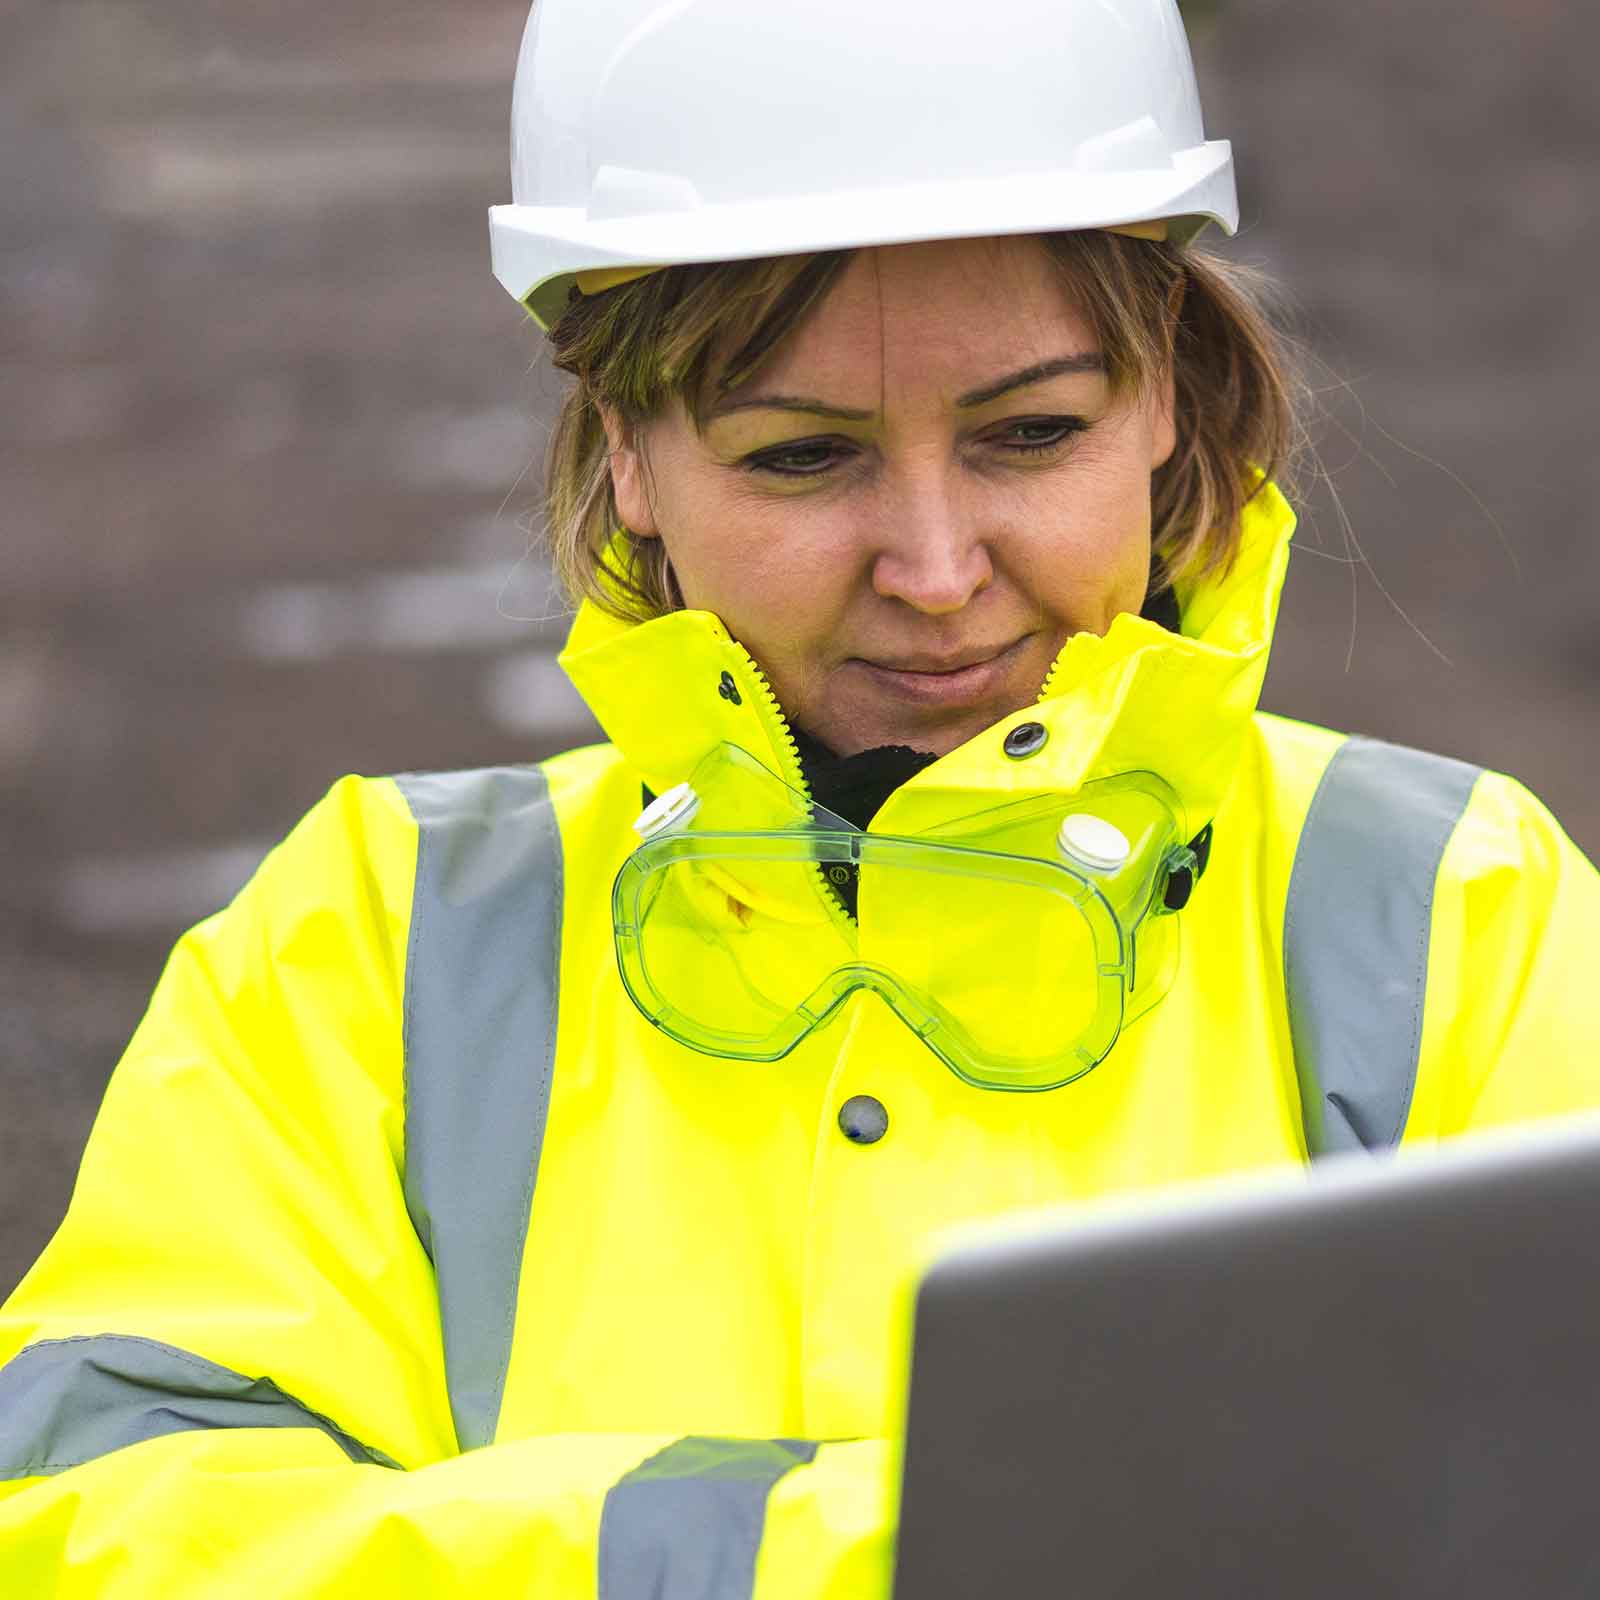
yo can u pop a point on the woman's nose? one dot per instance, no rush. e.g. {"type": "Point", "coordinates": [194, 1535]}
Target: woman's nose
{"type": "Point", "coordinates": [933, 550]}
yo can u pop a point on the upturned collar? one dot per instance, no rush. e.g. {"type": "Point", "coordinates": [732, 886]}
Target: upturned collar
{"type": "Point", "coordinates": [1137, 698]}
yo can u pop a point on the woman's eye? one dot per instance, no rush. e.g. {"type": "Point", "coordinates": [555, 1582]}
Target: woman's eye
{"type": "Point", "coordinates": [1033, 435]}
{"type": "Point", "coordinates": [806, 458]}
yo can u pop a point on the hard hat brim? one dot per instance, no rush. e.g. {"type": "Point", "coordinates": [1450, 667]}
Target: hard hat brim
{"type": "Point", "coordinates": [537, 249]}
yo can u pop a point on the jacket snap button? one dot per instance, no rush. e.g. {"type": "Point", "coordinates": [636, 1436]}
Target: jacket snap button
{"type": "Point", "coordinates": [1026, 739]}
{"type": "Point", "coordinates": [863, 1120]}
{"type": "Point", "coordinates": [728, 689]}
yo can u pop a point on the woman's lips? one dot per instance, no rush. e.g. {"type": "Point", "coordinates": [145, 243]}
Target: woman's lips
{"type": "Point", "coordinates": [958, 686]}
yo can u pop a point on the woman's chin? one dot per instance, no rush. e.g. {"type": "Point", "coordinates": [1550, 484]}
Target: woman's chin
{"type": "Point", "coordinates": [932, 711]}
{"type": "Point", "coordinates": [867, 728]}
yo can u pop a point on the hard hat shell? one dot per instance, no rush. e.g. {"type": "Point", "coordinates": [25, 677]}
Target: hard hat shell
{"type": "Point", "coordinates": [648, 132]}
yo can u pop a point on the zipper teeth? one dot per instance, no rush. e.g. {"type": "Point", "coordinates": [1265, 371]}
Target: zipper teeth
{"type": "Point", "coordinates": [787, 747]}
{"type": "Point", "coordinates": [1048, 686]}
{"type": "Point", "coordinates": [797, 774]}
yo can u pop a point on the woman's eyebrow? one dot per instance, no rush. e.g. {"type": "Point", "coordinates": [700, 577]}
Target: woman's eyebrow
{"type": "Point", "coordinates": [792, 402]}
{"type": "Point", "coordinates": [1058, 366]}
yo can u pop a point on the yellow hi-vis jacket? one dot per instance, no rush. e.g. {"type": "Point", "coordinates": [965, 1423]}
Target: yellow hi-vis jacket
{"type": "Point", "coordinates": [408, 1259]}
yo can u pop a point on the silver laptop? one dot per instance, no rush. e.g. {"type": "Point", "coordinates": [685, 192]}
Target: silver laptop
{"type": "Point", "coordinates": [1383, 1379]}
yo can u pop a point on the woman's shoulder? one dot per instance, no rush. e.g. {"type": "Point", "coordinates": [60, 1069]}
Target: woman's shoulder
{"type": "Point", "coordinates": [1485, 821]}
{"type": "Point", "coordinates": [359, 847]}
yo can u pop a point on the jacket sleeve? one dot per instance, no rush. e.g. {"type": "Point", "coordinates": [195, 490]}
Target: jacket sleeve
{"type": "Point", "coordinates": [226, 1375]}
{"type": "Point", "coordinates": [1516, 928]}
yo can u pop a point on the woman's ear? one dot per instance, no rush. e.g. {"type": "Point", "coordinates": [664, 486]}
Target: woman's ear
{"type": "Point", "coordinates": [1164, 425]}
{"type": "Point", "coordinates": [1164, 435]}
{"type": "Point", "coordinates": [629, 476]}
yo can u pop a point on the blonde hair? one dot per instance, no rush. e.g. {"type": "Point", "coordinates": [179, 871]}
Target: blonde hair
{"type": "Point", "coordinates": [692, 333]}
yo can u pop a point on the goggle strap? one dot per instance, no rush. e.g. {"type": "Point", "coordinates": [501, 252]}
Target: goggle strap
{"type": "Point", "coordinates": [1180, 886]}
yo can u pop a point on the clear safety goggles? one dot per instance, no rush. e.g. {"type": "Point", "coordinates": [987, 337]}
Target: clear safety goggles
{"type": "Point", "coordinates": [1016, 943]}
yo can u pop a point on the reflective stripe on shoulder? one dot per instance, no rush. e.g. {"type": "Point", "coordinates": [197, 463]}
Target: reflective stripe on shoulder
{"type": "Point", "coordinates": [67, 1401]}
{"type": "Point", "coordinates": [687, 1523]}
{"type": "Point", "coordinates": [1356, 932]}
{"type": "Point", "coordinates": [482, 970]}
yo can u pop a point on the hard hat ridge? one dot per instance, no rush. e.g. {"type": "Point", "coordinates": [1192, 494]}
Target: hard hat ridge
{"type": "Point", "coordinates": [650, 132]}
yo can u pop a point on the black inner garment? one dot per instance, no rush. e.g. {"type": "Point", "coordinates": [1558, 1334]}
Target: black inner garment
{"type": "Point", "coordinates": [856, 787]}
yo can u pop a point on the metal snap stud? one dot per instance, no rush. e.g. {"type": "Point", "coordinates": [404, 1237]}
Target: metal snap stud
{"type": "Point", "coordinates": [728, 689]}
{"type": "Point", "coordinates": [1026, 739]}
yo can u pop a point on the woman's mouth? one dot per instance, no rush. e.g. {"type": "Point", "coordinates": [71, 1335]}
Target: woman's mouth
{"type": "Point", "coordinates": [969, 678]}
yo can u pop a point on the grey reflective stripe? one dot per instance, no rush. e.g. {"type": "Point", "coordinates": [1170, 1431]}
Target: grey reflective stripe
{"type": "Point", "coordinates": [67, 1401]}
{"type": "Point", "coordinates": [480, 1040]}
{"type": "Point", "coordinates": [1355, 936]}
{"type": "Point", "coordinates": [687, 1523]}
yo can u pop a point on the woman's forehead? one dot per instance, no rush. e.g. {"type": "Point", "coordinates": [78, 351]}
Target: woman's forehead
{"type": "Point", "coordinates": [943, 317]}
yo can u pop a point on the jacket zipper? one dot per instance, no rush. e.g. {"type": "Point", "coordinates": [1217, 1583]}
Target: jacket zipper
{"type": "Point", "coordinates": [1048, 687]}
{"type": "Point", "coordinates": [775, 722]}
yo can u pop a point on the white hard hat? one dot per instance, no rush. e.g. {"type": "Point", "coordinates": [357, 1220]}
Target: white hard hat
{"type": "Point", "coordinates": [655, 132]}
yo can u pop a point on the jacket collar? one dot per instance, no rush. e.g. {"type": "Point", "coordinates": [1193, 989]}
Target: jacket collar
{"type": "Point", "coordinates": [1138, 698]}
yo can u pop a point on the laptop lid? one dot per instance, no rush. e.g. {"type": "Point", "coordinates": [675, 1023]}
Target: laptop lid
{"type": "Point", "coordinates": [1382, 1379]}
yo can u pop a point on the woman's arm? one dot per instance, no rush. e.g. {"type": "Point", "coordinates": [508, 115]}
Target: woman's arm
{"type": "Point", "coordinates": [225, 1374]}
{"type": "Point", "coordinates": [1513, 1031]}
{"type": "Point", "coordinates": [282, 1513]}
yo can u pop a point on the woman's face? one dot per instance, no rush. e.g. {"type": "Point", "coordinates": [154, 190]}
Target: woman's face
{"type": "Point", "coordinates": [914, 504]}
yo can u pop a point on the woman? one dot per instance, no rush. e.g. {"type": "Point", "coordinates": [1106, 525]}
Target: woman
{"type": "Point", "coordinates": [563, 1135]}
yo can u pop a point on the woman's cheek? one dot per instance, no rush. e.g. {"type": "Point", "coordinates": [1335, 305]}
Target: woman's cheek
{"type": "Point", "coordinates": [1087, 563]}
{"type": "Point", "coordinates": [733, 563]}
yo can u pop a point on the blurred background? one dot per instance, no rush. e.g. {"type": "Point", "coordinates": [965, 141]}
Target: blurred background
{"type": "Point", "coordinates": [269, 433]}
